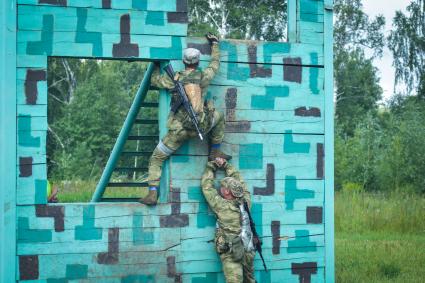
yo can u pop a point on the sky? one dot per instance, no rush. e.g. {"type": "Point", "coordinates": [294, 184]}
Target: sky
{"type": "Point", "coordinates": [388, 9]}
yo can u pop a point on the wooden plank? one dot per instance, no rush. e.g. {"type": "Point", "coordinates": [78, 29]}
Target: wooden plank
{"type": "Point", "coordinates": [148, 5]}
{"type": "Point", "coordinates": [32, 189]}
{"type": "Point", "coordinates": [239, 74]}
{"type": "Point", "coordinates": [260, 275]}
{"type": "Point", "coordinates": [31, 110]}
{"type": "Point", "coordinates": [68, 19]}
{"type": "Point", "coordinates": [64, 44]}
{"type": "Point", "coordinates": [31, 61]}
{"type": "Point", "coordinates": [8, 140]}
{"type": "Point", "coordinates": [311, 37]}
{"type": "Point", "coordinates": [286, 98]}
{"type": "Point", "coordinates": [25, 96]}
{"type": "Point", "coordinates": [36, 123]}
{"type": "Point", "coordinates": [291, 154]}
{"type": "Point", "coordinates": [258, 52]}
{"type": "Point", "coordinates": [329, 142]}
{"type": "Point", "coordinates": [292, 21]}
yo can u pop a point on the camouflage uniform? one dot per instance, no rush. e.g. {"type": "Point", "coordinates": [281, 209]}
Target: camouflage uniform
{"type": "Point", "coordinates": [179, 126]}
{"type": "Point", "coordinates": [228, 225]}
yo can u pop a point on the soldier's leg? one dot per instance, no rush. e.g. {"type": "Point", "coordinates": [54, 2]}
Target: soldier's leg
{"type": "Point", "coordinates": [170, 143]}
{"type": "Point", "coordinates": [216, 135]}
{"type": "Point", "coordinates": [233, 271]}
{"type": "Point", "coordinates": [248, 268]}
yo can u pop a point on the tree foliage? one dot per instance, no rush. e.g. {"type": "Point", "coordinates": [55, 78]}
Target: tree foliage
{"type": "Point", "coordinates": [358, 89]}
{"type": "Point", "coordinates": [249, 19]}
{"type": "Point", "coordinates": [356, 79]}
{"type": "Point", "coordinates": [407, 43]}
{"type": "Point", "coordinates": [84, 129]}
{"type": "Point", "coordinates": [354, 30]}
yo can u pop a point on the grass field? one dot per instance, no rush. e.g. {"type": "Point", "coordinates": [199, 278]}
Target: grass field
{"type": "Point", "coordinates": [379, 238]}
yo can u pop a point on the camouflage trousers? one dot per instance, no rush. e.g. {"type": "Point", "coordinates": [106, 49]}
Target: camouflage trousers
{"type": "Point", "coordinates": [179, 131]}
{"type": "Point", "coordinates": [238, 272]}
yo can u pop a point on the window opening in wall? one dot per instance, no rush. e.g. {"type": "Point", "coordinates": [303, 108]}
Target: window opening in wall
{"type": "Point", "coordinates": [88, 101]}
{"type": "Point", "coordinates": [249, 20]}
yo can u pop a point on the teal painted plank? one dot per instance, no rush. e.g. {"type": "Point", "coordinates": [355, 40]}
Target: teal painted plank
{"type": "Point", "coordinates": [311, 26]}
{"type": "Point", "coordinates": [286, 98]}
{"type": "Point", "coordinates": [8, 141]}
{"type": "Point", "coordinates": [35, 123]}
{"type": "Point", "coordinates": [31, 61]}
{"type": "Point", "coordinates": [276, 276]}
{"type": "Point", "coordinates": [32, 189]}
{"type": "Point", "coordinates": [230, 75]}
{"type": "Point", "coordinates": [163, 111]}
{"type": "Point", "coordinates": [31, 110]}
{"type": "Point", "coordinates": [274, 142]}
{"type": "Point", "coordinates": [31, 143]}
{"type": "Point", "coordinates": [311, 7]}
{"type": "Point", "coordinates": [312, 37]}
{"type": "Point", "coordinates": [66, 19]}
{"type": "Point", "coordinates": [329, 142]}
{"type": "Point", "coordinates": [292, 21]}
{"type": "Point", "coordinates": [41, 93]}
{"type": "Point", "coordinates": [238, 74]}
{"type": "Point", "coordinates": [63, 44]}
{"type": "Point", "coordinates": [150, 5]}
{"type": "Point", "coordinates": [266, 52]}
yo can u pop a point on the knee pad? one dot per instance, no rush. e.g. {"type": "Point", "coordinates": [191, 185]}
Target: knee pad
{"type": "Point", "coordinates": [165, 150]}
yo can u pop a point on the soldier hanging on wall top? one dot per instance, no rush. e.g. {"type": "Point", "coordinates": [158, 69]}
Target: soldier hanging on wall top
{"type": "Point", "coordinates": [181, 126]}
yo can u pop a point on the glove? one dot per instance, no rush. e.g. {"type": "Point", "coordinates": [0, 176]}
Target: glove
{"type": "Point", "coordinates": [212, 165]}
{"type": "Point", "coordinates": [211, 38]}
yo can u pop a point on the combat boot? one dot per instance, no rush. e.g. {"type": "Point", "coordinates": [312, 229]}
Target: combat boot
{"type": "Point", "coordinates": [215, 152]}
{"type": "Point", "coordinates": [151, 198]}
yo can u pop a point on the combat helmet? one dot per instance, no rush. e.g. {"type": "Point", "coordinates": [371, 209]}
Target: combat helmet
{"type": "Point", "coordinates": [191, 56]}
{"type": "Point", "coordinates": [233, 185]}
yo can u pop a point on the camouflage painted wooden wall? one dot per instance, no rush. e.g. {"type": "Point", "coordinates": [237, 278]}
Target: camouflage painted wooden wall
{"type": "Point", "coordinates": [277, 110]}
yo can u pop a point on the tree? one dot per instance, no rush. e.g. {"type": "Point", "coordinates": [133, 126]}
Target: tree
{"type": "Point", "coordinates": [356, 79]}
{"type": "Point", "coordinates": [407, 43]}
{"type": "Point", "coordinates": [358, 89]}
{"type": "Point", "coordinates": [86, 128]}
{"type": "Point", "coordinates": [354, 30]}
{"type": "Point", "coordinates": [250, 19]}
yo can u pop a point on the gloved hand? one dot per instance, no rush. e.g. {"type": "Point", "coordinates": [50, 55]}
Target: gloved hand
{"type": "Point", "coordinates": [211, 38]}
{"type": "Point", "coordinates": [220, 162]}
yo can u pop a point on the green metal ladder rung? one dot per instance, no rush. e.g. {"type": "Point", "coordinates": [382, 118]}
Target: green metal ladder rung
{"type": "Point", "coordinates": [123, 137]}
{"type": "Point", "coordinates": [128, 184]}
{"type": "Point", "coordinates": [146, 121]}
{"type": "Point", "coordinates": [131, 169]}
{"type": "Point", "coordinates": [119, 199]}
{"type": "Point", "coordinates": [143, 138]}
{"type": "Point", "coordinates": [137, 153]}
{"type": "Point", "coordinates": [150, 104]}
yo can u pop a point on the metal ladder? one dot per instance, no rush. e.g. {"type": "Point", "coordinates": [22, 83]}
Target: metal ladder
{"type": "Point", "coordinates": [132, 118]}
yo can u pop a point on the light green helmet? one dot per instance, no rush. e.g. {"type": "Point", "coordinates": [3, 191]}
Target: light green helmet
{"type": "Point", "coordinates": [191, 56]}
{"type": "Point", "coordinates": [233, 185]}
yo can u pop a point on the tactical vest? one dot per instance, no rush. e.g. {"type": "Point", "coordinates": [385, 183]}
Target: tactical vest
{"type": "Point", "coordinates": [192, 85]}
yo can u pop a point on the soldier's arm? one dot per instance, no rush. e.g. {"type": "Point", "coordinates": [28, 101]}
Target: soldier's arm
{"type": "Point", "coordinates": [212, 69]}
{"type": "Point", "coordinates": [161, 81]}
{"type": "Point", "coordinates": [232, 172]}
{"type": "Point", "coordinates": [207, 183]}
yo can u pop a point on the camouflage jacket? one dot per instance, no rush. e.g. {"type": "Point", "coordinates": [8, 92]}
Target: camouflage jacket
{"type": "Point", "coordinates": [204, 77]}
{"type": "Point", "coordinates": [227, 211]}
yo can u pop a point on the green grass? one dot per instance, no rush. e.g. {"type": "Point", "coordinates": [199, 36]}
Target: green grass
{"type": "Point", "coordinates": [82, 191]}
{"type": "Point", "coordinates": [379, 238]}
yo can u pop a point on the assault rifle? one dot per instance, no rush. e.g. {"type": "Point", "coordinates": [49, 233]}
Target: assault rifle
{"type": "Point", "coordinates": [183, 100]}
{"type": "Point", "coordinates": [256, 240]}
